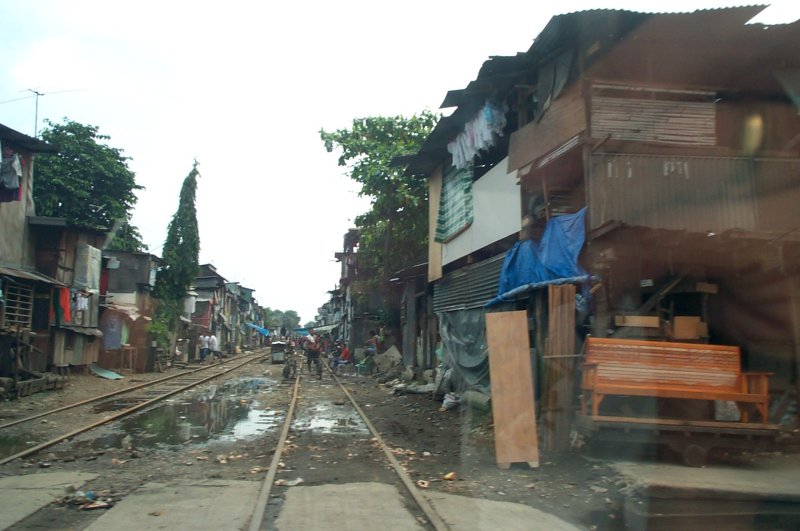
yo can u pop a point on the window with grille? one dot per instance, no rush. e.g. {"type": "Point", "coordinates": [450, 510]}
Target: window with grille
{"type": "Point", "coordinates": [19, 305]}
{"type": "Point", "coordinates": [455, 204]}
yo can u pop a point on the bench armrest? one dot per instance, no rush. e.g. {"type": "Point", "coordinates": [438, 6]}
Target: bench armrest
{"type": "Point", "coordinates": [756, 383]}
{"type": "Point", "coordinates": [589, 375]}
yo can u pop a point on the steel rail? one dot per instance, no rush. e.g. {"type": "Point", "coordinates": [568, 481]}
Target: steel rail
{"type": "Point", "coordinates": [433, 517]}
{"type": "Point", "coordinates": [123, 413]}
{"type": "Point", "coordinates": [103, 397]}
{"type": "Point", "coordinates": [256, 520]}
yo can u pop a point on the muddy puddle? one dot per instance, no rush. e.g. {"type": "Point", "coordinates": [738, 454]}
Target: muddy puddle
{"type": "Point", "coordinates": [228, 412]}
{"type": "Point", "coordinates": [329, 419]}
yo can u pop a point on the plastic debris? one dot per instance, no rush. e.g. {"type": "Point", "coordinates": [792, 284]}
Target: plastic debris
{"type": "Point", "coordinates": [421, 483]}
{"type": "Point", "coordinates": [450, 476]}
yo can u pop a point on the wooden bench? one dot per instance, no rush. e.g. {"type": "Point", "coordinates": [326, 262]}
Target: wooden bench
{"type": "Point", "coordinates": [627, 367]}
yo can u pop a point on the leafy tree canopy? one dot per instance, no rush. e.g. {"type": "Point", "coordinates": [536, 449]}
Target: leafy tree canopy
{"type": "Point", "coordinates": [278, 318]}
{"type": "Point", "coordinates": [394, 230]}
{"type": "Point", "coordinates": [127, 238]}
{"type": "Point", "coordinates": [87, 182]}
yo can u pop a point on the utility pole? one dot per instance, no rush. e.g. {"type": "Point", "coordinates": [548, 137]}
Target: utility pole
{"type": "Point", "coordinates": [36, 113]}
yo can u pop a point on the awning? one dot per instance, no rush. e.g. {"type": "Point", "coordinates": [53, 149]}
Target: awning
{"type": "Point", "coordinates": [85, 330]}
{"type": "Point", "coordinates": [326, 328]}
{"type": "Point", "coordinates": [132, 312]}
{"type": "Point", "coordinates": [262, 331]}
{"type": "Point", "coordinates": [29, 275]}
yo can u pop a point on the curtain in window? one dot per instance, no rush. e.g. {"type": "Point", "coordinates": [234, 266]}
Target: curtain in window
{"type": "Point", "coordinates": [455, 204]}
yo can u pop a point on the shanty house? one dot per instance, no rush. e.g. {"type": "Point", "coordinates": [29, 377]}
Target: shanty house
{"type": "Point", "coordinates": [677, 138]}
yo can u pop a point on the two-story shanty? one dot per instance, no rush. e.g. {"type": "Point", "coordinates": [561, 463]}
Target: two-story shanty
{"type": "Point", "coordinates": [677, 136]}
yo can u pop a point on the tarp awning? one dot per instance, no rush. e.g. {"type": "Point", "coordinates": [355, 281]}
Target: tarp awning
{"type": "Point", "coordinates": [260, 330]}
{"type": "Point", "coordinates": [553, 260]}
{"type": "Point", "coordinates": [326, 328]}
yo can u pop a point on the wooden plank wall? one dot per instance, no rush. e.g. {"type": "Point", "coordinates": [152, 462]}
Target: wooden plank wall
{"type": "Point", "coordinates": [559, 367]}
{"type": "Point", "coordinates": [513, 402]}
{"type": "Point", "coordinates": [565, 118]}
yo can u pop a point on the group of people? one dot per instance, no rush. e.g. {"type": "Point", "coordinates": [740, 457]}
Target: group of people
{"type": "Point", "coordinates": [209, 345]}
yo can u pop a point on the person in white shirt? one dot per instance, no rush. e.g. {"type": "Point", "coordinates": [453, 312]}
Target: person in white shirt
{"type": "Point", "coordinates": [213, 349]}
{"type": "Point", "coordinates": [203, 347]}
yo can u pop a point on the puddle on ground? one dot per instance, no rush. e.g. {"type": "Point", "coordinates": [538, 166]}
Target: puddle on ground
{"type": "Point", "coordinates": [329, 418]}
{"type": "Point", "coordinates": [225, 412]}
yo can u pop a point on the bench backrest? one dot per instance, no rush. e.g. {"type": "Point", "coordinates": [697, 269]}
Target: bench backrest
{"type": "Point", "coordinates": [629, 361]}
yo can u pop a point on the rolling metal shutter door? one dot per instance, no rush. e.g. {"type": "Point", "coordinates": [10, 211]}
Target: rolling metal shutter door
{"type": "Point", "coordinates": [469, 287]}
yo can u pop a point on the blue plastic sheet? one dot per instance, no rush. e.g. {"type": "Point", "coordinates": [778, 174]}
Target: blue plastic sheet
{"type": "Point", "coordinates": [260, 330]}
{"type": "Point", "coordinates": [554, 258]}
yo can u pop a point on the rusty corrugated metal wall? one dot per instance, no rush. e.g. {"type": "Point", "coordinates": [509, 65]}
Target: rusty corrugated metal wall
{"type": "Point", "coordinates": [696, 194]}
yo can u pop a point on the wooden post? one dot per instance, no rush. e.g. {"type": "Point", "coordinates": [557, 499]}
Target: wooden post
{"type": "Point", "coordinates": [559, 362]}
{"type": "Point", "coordinates": [793, 302]}
{"type": "Point", "coordinates": [16, 362]}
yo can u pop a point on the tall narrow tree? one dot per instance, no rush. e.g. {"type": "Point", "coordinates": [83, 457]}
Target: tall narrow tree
{"type": "Point", "coordinates": [179, 255]}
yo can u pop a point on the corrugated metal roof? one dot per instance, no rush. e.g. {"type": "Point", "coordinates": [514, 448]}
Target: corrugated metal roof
{"type": "Point", "coordinates": [499, 74]}
{"type": "Point", "coordinates": [34, 145]}
{"type": "Point", "coordinates": [29, 275]}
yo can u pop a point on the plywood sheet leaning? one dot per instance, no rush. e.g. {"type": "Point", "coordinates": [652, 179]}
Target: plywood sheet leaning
{"type": "Point", "coordinates": [513, 406]}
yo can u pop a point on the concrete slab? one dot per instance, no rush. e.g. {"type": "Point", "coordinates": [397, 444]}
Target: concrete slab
{"type": "Point", "coordinates": [21, 496]}
{"type": "Point", "coordinates": [468, 514]}
{"type": "Point", "coordinates": [345, 507]}
{"type": "Point", "coordinates": [211, 504]}
{"type": "Point", "coordinates": [773, 478]}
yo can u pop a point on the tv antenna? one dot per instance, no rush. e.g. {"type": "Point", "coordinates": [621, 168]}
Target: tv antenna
{"type": "Point", "coordinates": [36, 94]}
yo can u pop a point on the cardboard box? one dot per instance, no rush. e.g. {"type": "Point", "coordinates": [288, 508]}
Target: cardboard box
{"type": "Point", "coordinates": [686, 327]}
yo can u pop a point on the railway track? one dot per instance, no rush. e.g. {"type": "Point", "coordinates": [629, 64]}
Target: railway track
{"type": "Point", "coordinates": [257, 522]}
{"type": "Point", "coordinates": [134, 399]}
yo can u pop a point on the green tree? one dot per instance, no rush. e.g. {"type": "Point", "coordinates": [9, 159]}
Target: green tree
{"type": "Point", "coordinates": [179, 256]}
{"type": "Point", "coordinates": [395, 229]}
{"type": "Point", "coordinates": [127, 238]}
{"type": "Point", "coordinates": [87, 182]}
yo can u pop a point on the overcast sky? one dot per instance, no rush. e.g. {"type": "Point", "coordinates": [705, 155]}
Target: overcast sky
{"type": "Point", "coordinates": [245, 87]}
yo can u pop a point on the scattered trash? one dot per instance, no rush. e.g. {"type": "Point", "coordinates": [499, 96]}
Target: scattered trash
{"type": "Point", "coordinates": [421, 483]}
{"type": "Point", "coordinates": [222, 459]}
{"type": "Point", "coordinates": [96, 505]}
{"type": "Point", "coordinates": [451, 401]}
{"type": "Point", "coordinates": [426, 454]}
{"type": "Point", "coordinates": [450, 476]}
{"type": "Point", "coordinates": [294, 482]}
{"type": "Point", "coordinates": [44, 465]}
{"type": "Point", "coordinates": [202, 458]}
{"type": "Point", "coordinates": [155, 513]}
{"type": "Point", "coordinates": [281, 483]}
{"type": "Point", "coordinates": [116, 461]}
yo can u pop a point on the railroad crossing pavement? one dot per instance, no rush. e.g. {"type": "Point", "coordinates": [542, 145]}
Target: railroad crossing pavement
{"type": "Point", "coordinates": [21, 496]}
{"type": "Point", "coordinates": [228, 504]}
{"type": "Point", "coordinates": [209, 504]}
{"type": "Point", "coordinates": [773, 478]}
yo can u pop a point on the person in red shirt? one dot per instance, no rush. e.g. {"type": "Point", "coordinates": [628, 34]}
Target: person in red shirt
{"type": "Point", "coordinates": [341, 355]}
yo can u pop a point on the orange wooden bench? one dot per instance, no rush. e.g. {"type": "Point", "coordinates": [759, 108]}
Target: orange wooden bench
{"type": "Point", "coordinates": [629, 367]}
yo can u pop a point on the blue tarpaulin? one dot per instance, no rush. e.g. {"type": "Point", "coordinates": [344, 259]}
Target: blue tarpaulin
{"type": "Point", "coordinates": [553, 260]}
{"type": "Point", "coordinates": [262, 331]}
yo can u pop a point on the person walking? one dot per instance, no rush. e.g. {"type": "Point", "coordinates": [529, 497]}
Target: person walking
{"type": "Point", "coordinates": [213, 348]}
{"type": "Point", "coordinates": [203, 347]}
